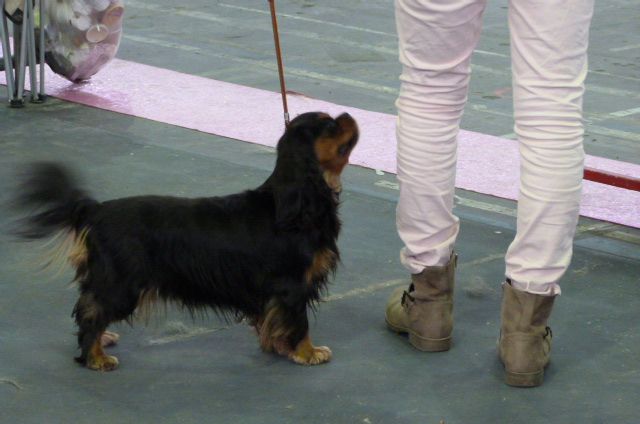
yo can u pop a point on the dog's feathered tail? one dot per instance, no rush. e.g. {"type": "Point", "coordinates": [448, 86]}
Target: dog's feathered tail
{"type": "Point", "coordinates": [54, 202]}
{"type": "Point", "coordinates": [58, 209]}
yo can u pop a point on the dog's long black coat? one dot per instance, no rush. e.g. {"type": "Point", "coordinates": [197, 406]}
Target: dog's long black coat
{"type": "Point", "coordinates": [254, 254]}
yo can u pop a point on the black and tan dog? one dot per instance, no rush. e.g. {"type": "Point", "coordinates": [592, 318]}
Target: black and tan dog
{"type": "Point", "coordinates": [263, 254]}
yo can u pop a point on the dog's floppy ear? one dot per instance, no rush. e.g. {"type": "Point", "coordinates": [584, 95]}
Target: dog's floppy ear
{"type": "Point", "coordinates": [295, 207]}
{"type": "Point", "coordinates": [301, 195]}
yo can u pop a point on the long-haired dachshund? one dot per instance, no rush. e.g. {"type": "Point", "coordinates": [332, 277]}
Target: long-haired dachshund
{"type": "Point", "coordinates": [263, 254]}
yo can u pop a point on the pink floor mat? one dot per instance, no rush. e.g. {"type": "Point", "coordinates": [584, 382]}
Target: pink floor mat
{"type": "Point", "coordinates": [486, 164]}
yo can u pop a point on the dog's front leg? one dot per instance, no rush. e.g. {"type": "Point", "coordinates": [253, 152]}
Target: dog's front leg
{"type": "Point", "coordinates": [284, 330]}
{"type": "Point", "coordinates": [305, 353]}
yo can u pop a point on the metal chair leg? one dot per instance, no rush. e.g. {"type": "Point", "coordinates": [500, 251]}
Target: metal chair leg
{"type": "Point", "coordinates": [6, 53]}
{"type": "Point", "coordinates": [29, 22]}
{"type": "Point", "coordinates": [22, 65]}
{"type": "Point", "coordinates": [24, 54]}
{"type": "Point", "coordinates": [42, 95]}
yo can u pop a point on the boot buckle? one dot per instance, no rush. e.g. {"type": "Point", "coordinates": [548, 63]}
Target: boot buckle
{"type": "Point", "coordinates": [405, 296]}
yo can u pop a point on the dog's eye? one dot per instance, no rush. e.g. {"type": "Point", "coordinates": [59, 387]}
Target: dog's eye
{"type": "Point", "coordinates": [344, 149]}
{"type": "Point", "coordinates": [330, 128]}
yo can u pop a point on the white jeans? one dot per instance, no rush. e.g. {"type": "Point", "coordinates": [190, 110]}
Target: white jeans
{"type": "Point", "coordinates": [549, 63]}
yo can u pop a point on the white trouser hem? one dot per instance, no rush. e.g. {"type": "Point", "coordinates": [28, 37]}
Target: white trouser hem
{"type": "Point", "coordinates": [542, 289]}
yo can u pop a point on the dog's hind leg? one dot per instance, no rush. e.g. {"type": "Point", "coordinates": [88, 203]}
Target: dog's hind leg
{"type": "Point", "coordinates": [92, 323]}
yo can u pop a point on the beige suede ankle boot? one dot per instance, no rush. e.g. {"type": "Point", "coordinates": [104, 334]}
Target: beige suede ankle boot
{"type": "Point", "coordinates": [525, 340]}
{"type": "Point", "coordinates": [425, 311]}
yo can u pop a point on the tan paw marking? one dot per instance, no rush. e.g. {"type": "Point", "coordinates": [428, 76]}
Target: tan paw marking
{"type": "Point", "coordinates": [98, 360]}
{"type": "Point", "coordinates": [103, 363]}
{"type": "Point", "coordinates": [317, 355]}
{"type": "Point", "coordinates": [308, 354]}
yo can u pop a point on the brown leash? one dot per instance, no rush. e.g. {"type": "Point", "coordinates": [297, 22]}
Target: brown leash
{"type": "Point", "coordinates": [276, 40]}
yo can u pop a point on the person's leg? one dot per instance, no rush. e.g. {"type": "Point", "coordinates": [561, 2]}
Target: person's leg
{"type": "Point", "coordinates": [549, 61]}
{"type": "Point", "coordinates": [437, 39]}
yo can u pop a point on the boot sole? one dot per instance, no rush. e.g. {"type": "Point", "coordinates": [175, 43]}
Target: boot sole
{"type": "Point", "coordinates": [422, 343]}
{"type": "Point", "coordinates": [518, 379]}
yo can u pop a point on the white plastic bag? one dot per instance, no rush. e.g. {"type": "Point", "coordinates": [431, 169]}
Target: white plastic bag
{"type": "Point", "coordinates": [82, 35]}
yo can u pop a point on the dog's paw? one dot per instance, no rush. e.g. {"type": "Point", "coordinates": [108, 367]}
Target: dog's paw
{"type": "Point", "coordinates": [109, 338]}
{"type": "Point", "coordinates": [102, 363]}
{"type": "Point", "coordinates": [314, 355]}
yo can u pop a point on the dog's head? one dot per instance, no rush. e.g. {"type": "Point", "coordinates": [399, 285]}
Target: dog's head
{"type": "Point", "coordinates": [312, 154]}
{"type": "Point", "coordinates": [329, 141]}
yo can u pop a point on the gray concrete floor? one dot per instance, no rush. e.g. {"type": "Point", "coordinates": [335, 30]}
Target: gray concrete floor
{"type": "Point", "coordinates": [177, 370]}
